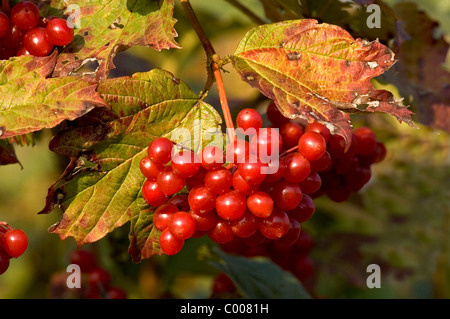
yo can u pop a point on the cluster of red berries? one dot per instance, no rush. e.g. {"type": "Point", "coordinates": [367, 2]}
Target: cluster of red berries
{"type": "Point", "coordinates": [24, 32]}
{"type": "Point", "coordinates": [241, 199]}
{"type": "Point", "coordinates": [97, 284]}
{"type": "Point", "coordinates": [13, 243]}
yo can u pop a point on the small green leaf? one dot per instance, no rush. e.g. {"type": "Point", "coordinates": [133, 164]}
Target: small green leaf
{"type": "Point", "coordinates": [260, 278]}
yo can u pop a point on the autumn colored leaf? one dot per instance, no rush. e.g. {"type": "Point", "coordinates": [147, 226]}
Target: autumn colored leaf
{"type": "Point", "coordinates": [100, 190]}
{"type": "Point", "coordinates": [30, 101]}
{"type": "Point", "coordinates": [112, 26]}
{"type": "Point", "coordinates": [317, 72]}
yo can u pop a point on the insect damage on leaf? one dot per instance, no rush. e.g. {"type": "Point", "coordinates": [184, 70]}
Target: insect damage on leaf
{"type": "Point", "coordinates": [319, 73]}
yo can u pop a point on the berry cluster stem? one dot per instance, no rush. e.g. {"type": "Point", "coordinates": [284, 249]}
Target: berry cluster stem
{"type": "Point", "coordinates": [214, 66]}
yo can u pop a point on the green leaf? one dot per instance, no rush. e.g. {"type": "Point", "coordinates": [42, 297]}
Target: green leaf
{"type": "Point", "coordinates": [30, 101]}
{"type": "Point", "coordinates": [100, 190]}
{"type": "Point", "coordinates": [317, 72]}
{"type": "Point", "coordinates": [260, 278]}
{"type": "Point", "coordinates": [112, 26]}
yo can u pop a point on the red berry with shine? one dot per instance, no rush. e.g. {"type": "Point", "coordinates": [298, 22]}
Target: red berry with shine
{"type": "Point", "coordinates": [204, 222]}
{"type": "Point", "coordinates": [4, 24]}
{"type": "Point", "coordinates": [36, 42]}
{"type": "Point", "coordinates": [266, 142]}
{"type": "Point", "coordinates": [152, 194]}
{"type": "Point", "coordinates": [25, 15]}
{"type": "Point", "coordinates": [304, 210]}
{"type": "Point", "coordinates": [162, 215]}
{"type": "Point", "coordinates": [169, 244]}
{"type": "Point", "coordinates": [59, 32]}
{"type": "Point", "coordinates": [312, 145]}
{"type": "Point", "coordinates": [160, 150]}
{"type": "Point", "coordinates": [222, 232]}
{"type": "Point", "coordinates": [249, 118]}
{"type": "Point", "coordinates": [212, 158]}
{"type": "Point", "coordinates": [290, 134]}
{"type": "Point", "coordinates": [219, 181]}
{"type": "Point", "coordinates": [245, 226]}
{"type": "Point", "coordinates": [169, 182]}
{"type": "Point", "coordinates": [319, 128]}
{"type": "Point", "coordinates": [201, 200]}
{"type": "Point", "coordinates": [14, 242]}
{"type": "Point", "coordinates": [286, 195]}
{"type": "Point", "coordinates": [13, 38]}
{"type": "Point", "coordinates": [260, 204]}
{"type": "Point", "coordinates": [276, 225]}
{"type": "Point", "coordinates": [231, 205]}
{"type": "Point", "coordinates": [186, 163]}
{"type": "Point", "coordinates": [365, 140]}
{"type": "Point", "coordinates": [297, 168]}
{"type": "Point", "coordinates": [252, 172]}
{"type": "Point", "coordinates": [149, 169]}
{"type": "Point", "coordinates": [182, 225]}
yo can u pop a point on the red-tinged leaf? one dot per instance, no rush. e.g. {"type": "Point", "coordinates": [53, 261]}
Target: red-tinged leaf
{"type": "Point", "coordinates": [317, 72]}
{"type": "Point", "coordinates": [29, 101]}
{"type": "Point", "coordinates": [101, 188]}
{"type": "Point", "coordinates": [107, 27]}
{"type": "Point", "coordinates": [7, 153]}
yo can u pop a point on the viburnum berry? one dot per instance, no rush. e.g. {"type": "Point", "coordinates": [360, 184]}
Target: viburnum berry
{"type": "Point", "coordinates": [152, 194]}
{"type": "Point", "coordinates": [274, 115]}
{"type": "Point", "coordinates": [4, 24]}
{"type": "Point", "coordinates": [162, 215]}
{"type": "Point", "coordinates": [286, 195]}
{"type": "Point", "coordinates": [297, 167]}
{"type": "Point", "coordinates": [160, 150]}
{"type": "Point", "coordinates": [60, 32]}
{"type": "Point", "coordinates": [276, 225]}
{"type": "Point", "coordinates": [252, 172]}
{"type": "Point", "coordinates": [312, 145]}
{"type": "Point", "coordinates": [260, 204]}
{"type": "Point", "coordinates": [304, 210]}
{"type": "Point", "coordinates": [218, 181]}
{"type": "Point", "coordinates": [311, 183]}
{"type": "Point", "coordinates": [181, 225]}
{"type": "Point", "coordinates": [319, 128]}
{"type": "Point", "coordinates": [149, 168]}
{"type": "Point", "coordinates": [249, 118]}
{"type": "Point", "coordinates": [241, 185]}
{"type": "Point", "coordinates": [204, 222]}
{"type": "Point", "coordinates": [14, 242]}
{"type": "Point", "coordinates": [99, 278]}
{"type": "Point", "coordinates": [238, 151]}
{"type": "Point", "coordinates": [245, 226]}
{"type": "Point", "coordinates": [36, 42]}
{"type": "Point", "coordinates": [186, 163]}
{"type": "Point", "coordinates": [365, 140]}
{"type": "Point", "coordinates": [4, 261]}
{"type": "Point", "coordinates": [25, 15]}
{"type": "Point", "coordinates": [13, 38]}
{"type": "Point", "coordinates": [169, 182]}
{"type": "Point", "coordinates": [291, 235]}
{"type": "Point", "coordinates": [169, 244]}
{"type": "Point", "coordinates": [201, 200]}
{"type": "Point", "coordinates": [290, 133]}
{"type": "Point", "coordinates": [231, 205]}
{"type": "Point", "coordinates": [265, 142]}
{"type": "Point", "coordinates": [212, 158]}
{"type": "Point", "coordinates": [84, 259]}
{"type": "Point", "coordinates": [222, 232]}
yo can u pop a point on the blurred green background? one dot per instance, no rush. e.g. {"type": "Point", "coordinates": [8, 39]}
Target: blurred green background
{"type": "Point", "coordinates": [400, 220]}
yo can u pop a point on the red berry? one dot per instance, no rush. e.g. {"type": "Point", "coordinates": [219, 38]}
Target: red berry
{"type": "Point", "coordinates": [83, 258]}
{"type": "Point", "coordinates": [14, 242]}
{"type": "Point", "coordinates": [212, 158]}
{"type": "Point", "coordinates": [245, 226]}
{"type": "Point", "coordinates": [290, 134]}
{"type": "Point", "coordinates": [4, 24]}
{"type": "Point", "coordinates": [266, 143]}
{"type": "Point", "coordinates": [169, 244]}
{"type": "Point", "coordinates": [201, 200]}
{"type": "Point", "coordinates": [223, 284]}
{"type": "Point", "coordinates": [292, 234]}
{"type": "Point", "coordinates": [160, 150]}
{"type": "Point", "coordinates": [365, 140]}
{"type": "Point", "coordinates": [22, 51]}
{"type": "Point", "coordinates": [149, 169]}
{"type": "Point", "coordinates": [59, 32]}
{"type": "Point", "coordinates": [304, 244]}
{"type": "Point", "coordinates": [152, 194]}
{"type": "Point", "coordinates": [238, 151]}
{"type": "Point", "coordinates": [276, 225]}
{"type": "Point", "coordinates": [276, 170]}
{"type": "Point", "coordinates": [182, 225]}
{"type": "Point", "coordinates": [304, 210]}
{"type": "Point", "coordinates": [252, 172]}
{"type": "Point", "coordinates": [319, 128]}
{"type": "Point", "coordinates": [345, 165]}
{"type": "Point", "coordinates": [297, 167]}
{"type": "Point", "coordinates": [196, 180]}
{"type": "Point", "coordinates": [303, 267]}
{"type": "Point", "coordinates": [162, 215]}
{"type": "Point", "coordinates": [241, 185]}
{"type": "Point", "coordinates": [204, 222]}
{"type": "Point", "coordinates": [6, 53]}
{"type": "Point", "coordinates": [25, 15]}
{"type": "Point", "coordinates": [36, 42]}
{"type": "Point", "coordinates": [311, 184]}
{"type": "Point", "coordinates": [249, 118]}
{"type": "Point", "coordinates": [339, 194]}
{"type": "Point", "coordinates": [336, 146]}
{"type": "Point", "coordinates": [4, 261]}
{"type": "Point", "coordinates": [181, 201]}
{"type": "Point", "coordinates": [186, 163]}
{"type": "Point", "coordinates": [99, 278]}
{"type": "Point", "coordinates": [13, 38]}
{"type": "Point", "coordinates": [221, 233]}
{"type": "Point", "coordinates": [358, 177]}
{"type": "Point", "coordinates": [218, 181]}
{"type": "Point", "coordinates": [260, 204]}
{"type": "Point", "coordinates": [231, 205]}
{"type": "Point", "coordinates": [323, 164]}
{"type": "Point", "coordinates": [312, 145]}
{"type": "Point", "coordinates": [286, 195]}
{"type": "Point", "coordinates": [169, 182]}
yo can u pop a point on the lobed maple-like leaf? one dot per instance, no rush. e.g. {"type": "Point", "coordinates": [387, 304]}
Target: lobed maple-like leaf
{"type": "Point", "coordinates": [101, 188]}
{"type": "Point", "coordinates": [107, 27]}
{"type": "Point", "coordinates": [29, 101]}
{"type": "Point", "coordinates": [317, 72]}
